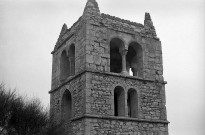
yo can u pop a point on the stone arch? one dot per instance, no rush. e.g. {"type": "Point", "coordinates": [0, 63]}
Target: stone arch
{"type": "Point", "coordinates": [67, 63]}
{"type": "Point", "coordinates": [116, 45]}
{"type": "Point", "coordinates": [119, 101]}
{"type": "Point", "coordinates": [132, 103]}
{"type": "Point", "coordinates": [66, 106]}
{"type": "Point", "coordinates": [71, 55]}
{"type": "Point", "coordinates": [64, 66]}
{"type": "Point", "coordinates": [117, 37]}
{"type": "Point", "coordinates": [134, 59]}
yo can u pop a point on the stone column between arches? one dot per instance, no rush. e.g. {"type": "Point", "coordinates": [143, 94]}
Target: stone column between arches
{"type": "Point", "coordinates": [123, 54]}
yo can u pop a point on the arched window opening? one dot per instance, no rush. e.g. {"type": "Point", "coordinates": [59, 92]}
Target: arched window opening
{"type": "Point", "coordinates": [71, 54]}
{"type": "Point", "coordinates": [129, 59]}
{"type": "Point", "coordinates": [119, 101]}
{"type": "Point", "coordinates": [66, 106]}
{"type": "Point", "coordinates": [132, 103]}
{"type": "Point", "coordinates": [64, 66]}
{"type": "Point", "coordinates": [67, 63]}
{"type": "Point", "coordinates": [115, 56]}
{"type": "Point", "coordinates": [134, 60]}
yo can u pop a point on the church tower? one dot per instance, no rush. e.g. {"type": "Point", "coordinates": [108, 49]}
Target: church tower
{"type": "Point", "coordinates": [107, 77]}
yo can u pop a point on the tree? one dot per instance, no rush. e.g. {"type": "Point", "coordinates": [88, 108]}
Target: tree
{"type": "Point", "coordinates": [28, 118]}
{"type": "Point", "coordinates": [20, 116]}
{"type": "Point", "coordinates": [7, 100]}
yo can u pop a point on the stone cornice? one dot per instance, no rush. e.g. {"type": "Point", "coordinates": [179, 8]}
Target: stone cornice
{"type": "Point", "coordinates": [108, 74]}
{"type": "Point", "coordinates": [120, 119]}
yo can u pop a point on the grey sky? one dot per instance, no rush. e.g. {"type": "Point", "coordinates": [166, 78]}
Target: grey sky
{"type": "Point", "coordinates": [29, 30]}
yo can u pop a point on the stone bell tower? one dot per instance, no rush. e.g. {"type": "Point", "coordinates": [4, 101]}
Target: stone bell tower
{"type": "Point", "coordinates": [107, 77]}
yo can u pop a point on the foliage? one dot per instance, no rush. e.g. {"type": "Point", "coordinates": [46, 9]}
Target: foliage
{"type": "Point", "coordinates": [19, 116]}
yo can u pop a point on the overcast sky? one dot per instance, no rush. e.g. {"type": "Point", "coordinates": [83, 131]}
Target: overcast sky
{"type": "Point", "coordinates": [29, 30]}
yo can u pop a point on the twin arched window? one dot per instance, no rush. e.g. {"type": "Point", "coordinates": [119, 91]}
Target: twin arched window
{"type": "Point", "coordinates": [119, 102]}
{"type": "Point", "coordinates": [67, 63]}
{"type": "Point", "coordinates": [126, 61]}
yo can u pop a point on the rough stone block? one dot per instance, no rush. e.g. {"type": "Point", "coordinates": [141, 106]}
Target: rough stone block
{"type": "Point", "coordinates": [89, 58]}
{"type": "Point", "coordinates": [97, 59]}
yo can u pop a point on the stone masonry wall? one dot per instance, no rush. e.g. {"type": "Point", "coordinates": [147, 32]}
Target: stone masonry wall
{"type": "Point", "coordinates": [75, 35]}
{"type": "Point", "coordinates": [96, 126]}
{"type": "Point", "coordinates": [92, 38]}
{"type": "Point", "coordinates": [100, 95]}
{"type": "Point", "coordinates": [114, 126]}
{"type": "Point", "coordinates": [77, 90]}
{"type": "Point", "coordinates": [76, 127]}
{"type": "Point", "coordinates": [93, 94]}
{"type": "Point", "coordinates": [92, 86]}
{"type": "Point", "coordinates": [99, 32]}
{"type": "Point", "coordinates": [97, 49]}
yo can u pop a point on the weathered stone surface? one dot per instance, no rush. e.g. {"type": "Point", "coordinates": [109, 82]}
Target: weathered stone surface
{"type": "Point", "coordinates": [98, 41]}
